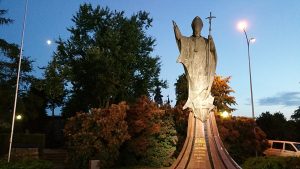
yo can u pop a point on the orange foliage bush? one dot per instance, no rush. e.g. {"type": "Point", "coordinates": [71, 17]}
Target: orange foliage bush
{"type": "Point", "coordinates": [153, 134]}
{"type": "Point", "coordinates": [241, 137]}
{"type": "Point", "coordinates": [98, 134]}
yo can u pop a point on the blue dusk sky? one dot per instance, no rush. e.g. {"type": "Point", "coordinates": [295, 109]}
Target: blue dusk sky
{"type": "Point", "coordinates": [274, 23]}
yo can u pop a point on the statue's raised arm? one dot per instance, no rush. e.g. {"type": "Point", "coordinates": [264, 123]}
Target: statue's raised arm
{"type": "Point", "coordinates": [178, 35]}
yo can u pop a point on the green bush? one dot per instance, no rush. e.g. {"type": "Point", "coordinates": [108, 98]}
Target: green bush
{"type": "Point", "coordinates": [26, 164]}
{"type": "Point", "coordinates": [272, 163]}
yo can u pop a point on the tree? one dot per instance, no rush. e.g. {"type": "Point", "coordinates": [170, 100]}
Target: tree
{"type": "Point", "coordinates": [220, 90]}
{"type": "Point", "coordinates": [274, 125]}
{"type": "Point", "coordinates": [9, 57]}
{"type": "Point", "coordinates": [157, 93]}
{"type": "Point", "coordinates": [107, 58]}
{"type": "Point", "coordinates": [181, 89]}
{"type": "Point", "coordinates": [53, 86]}
{"type": "Point", "coordinates": [4, 20]}
{"type": "Point", "coordinates": [35, 104]}
{"type": "Point", "coordinates": [277, 127]}
{"type": "Point", "coordinates": [296, 115]}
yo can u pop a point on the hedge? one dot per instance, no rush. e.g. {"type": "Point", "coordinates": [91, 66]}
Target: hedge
{"type": "Point", "coordinates": [272, 163]}
{"type": "Point", "coordinates": [26, 164]}
{"type": "Point", "coordinates": [21, 141]}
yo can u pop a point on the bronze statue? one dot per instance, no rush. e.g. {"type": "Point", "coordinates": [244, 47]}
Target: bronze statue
{"type": "Point", "coordinates": [199, 58]}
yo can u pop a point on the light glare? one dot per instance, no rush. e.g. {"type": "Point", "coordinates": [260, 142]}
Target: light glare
{"type": "Point", "coordinates": [19, 117]}
{"type": "Point", "coordinates": [242, 25]}
{"type": "Point", "coordinates": [49, 42]}
{"type": "Point", "coordinates": [225, 114]}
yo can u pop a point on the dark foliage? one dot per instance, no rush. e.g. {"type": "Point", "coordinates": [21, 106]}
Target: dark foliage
{"type": "Point", "coordinates": [242, 137]}
{"type": "Point", "coordinates": [107, 59]}
{"type": "Point", "coordinates": [272, 163]}
{"type": "Point", "coordinates": [278, 128]}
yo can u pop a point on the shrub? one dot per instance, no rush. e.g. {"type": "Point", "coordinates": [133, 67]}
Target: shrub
{"type": "Point", "coordinates": [96, 135]}
{"type": "Point", "coordinates": [26, 164]}
{"type": "Point", "coordinates": [241, 137]}
{"type": "Point", "coordinates": [4, 127]}
{"type": "Point", "coordinates": [153, 134]}
{"type": "Point", "coordinates": [272, 163]}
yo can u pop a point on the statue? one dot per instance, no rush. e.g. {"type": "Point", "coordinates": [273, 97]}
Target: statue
{"type": "Point", "coordinates": [199, 58]}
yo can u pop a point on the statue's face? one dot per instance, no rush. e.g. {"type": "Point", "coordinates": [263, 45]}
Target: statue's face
{"type": "Point", "coordinates": [197, 27]}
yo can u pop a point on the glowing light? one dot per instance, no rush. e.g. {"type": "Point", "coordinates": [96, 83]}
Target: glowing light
{"type": "Point", "coordinates": [19, 117]}
{"type": "Point", "coordinates": [225, 114]}
{"type": "Point", "coordinates": [49, 42]}
{"type": "Point", "coordinates": [252, 40]}
{"type": "Point", "coordinates": [242, 25]}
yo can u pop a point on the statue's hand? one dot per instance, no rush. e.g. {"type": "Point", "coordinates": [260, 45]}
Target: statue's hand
{"type": "Point", "coordinates": [177, 31]}
{"type": "Point", "coordinates": [174, 24]}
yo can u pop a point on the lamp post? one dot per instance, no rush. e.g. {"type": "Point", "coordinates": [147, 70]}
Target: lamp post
{"type": "Point", "coordinates": [242, 26]}
{"type": "Point", "coordinates": [17, 85]}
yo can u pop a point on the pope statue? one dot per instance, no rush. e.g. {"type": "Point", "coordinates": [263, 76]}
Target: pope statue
{"type": "Point", "coordinates": [199, 58]}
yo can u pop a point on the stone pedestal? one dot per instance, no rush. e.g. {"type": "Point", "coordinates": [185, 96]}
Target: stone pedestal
{"type": "Point", "coordinates": [203, 148]}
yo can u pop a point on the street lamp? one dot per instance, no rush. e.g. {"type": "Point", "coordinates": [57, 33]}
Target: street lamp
{"type": "Point", "coordinates": [19, 117]}
{"type": "Point", "coordinates": [242, 26]}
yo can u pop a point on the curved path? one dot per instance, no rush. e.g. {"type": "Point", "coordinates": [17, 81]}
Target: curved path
{"type": "Point", "coordinates": [203, 148]}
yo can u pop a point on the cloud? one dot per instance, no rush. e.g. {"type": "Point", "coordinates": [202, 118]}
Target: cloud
{"type": "Point", "coordinates": [284, 98]}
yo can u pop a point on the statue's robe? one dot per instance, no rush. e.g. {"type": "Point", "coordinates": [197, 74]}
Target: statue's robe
{"type": "Point", "coordinates": [199, 60]}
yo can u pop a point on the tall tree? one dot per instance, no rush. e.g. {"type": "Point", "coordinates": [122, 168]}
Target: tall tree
{"type": "Point", "coordinates": [274, 125]}
{"type": "Point", "coordinates": [9, 57]}
{"type": "Point", "coordinates": [220, 90]}
{"type": "Point", "coordinates": [107, 58]}
{"type": "Point", "coordinates": [35, 104]}
{"type": "Point", "coordinates": [53, 86]}
{"type": "Point", "coordinates": [181, 89]}
{"type": "Point", "coordinates": [296, 115]}
{"type": "Point", "coordinates": [4, 20]}
{"type": "Point", "coordinates": [158, 97]}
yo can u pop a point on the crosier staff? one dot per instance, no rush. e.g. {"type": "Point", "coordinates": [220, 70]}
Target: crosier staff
{"type": "Point", "coordinates": [208, 47]}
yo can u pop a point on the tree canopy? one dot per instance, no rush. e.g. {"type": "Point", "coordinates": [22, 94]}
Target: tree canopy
{"type": "Point", "coordinates": [277, 127]}
{"type": "Point", "coordinates": [107, 59]}
{"type": "Point", "coordinates": [9, 58]}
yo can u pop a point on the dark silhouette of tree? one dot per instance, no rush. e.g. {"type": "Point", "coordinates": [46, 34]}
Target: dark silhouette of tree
{"type": "Point", "coordinates": [53, 86]}
{"type": "Point", "coordinates": [296, 115]}
{"type": "Point", "coordinates": [157, 93]}
{"type": "Point", "coordinates": [277, 127]}
{"type": "Point", "coordinates": [107, 59]}
{"type": "Point", "coordinates": [181, 89]}
{"type": "Point", "coordinates": [9, 58]}
{"type": "Point", "coordinates": [4, 20]}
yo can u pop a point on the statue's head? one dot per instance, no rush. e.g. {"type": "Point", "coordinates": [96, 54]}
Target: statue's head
{"type": "Point", "coordinates": [197, 26]}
